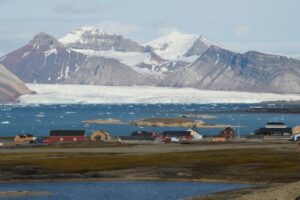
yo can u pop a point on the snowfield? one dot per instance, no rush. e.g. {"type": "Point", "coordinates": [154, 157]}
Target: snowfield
{"type": "Point", "coordinates": [90, 94]}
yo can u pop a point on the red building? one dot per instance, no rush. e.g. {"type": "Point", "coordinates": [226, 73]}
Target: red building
{"type": "Point", "coordinates": [65, 136]}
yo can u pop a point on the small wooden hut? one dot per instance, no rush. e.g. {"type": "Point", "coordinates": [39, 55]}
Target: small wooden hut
{"type": "Point", "coordinates": [23, 138]}
{"type": "Point", "coordinates": [100, 136]}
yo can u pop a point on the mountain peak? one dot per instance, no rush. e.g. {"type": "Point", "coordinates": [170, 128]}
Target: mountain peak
{"type": "Point", "coordinates": [180, 34]}
{"type": "Point", "coordinates": [91, 38]}
{"type": "Point", "coordinates": [45, 40]}
{"type": "Point", "coordinates": [80, 33]}
{"type": "Point", "coordinates": [177, 45]}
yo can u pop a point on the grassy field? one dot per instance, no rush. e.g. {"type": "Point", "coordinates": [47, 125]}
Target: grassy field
{"type": "Point", "coordinates": [240, 165]}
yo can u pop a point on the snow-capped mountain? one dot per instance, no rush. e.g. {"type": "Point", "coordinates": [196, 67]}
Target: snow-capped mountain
{"type": "Point", "coordinates": [93, 42]}
{"type": "Point", "coordinates": [10, 86]}
{"type": "Point", "coordinates": [90, 56]}
{"type": "Point", "coordinates": [180, 46]}
{"type": "Point", "coordinates": [91, 38]}
{"type": "Point", "coordinates": [45, 60]}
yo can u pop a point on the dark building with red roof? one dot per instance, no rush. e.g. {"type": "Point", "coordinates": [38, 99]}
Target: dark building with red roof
{"type": "Point", "coordinates": [65, 136]}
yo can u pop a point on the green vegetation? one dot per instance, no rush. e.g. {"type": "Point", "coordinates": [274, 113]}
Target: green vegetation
{"type": "Point", "coordinates": [245, 165]}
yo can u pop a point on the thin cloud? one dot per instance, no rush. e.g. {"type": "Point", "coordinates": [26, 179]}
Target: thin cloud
{"type": "Point", "coordinates": [165, 30]}
{"type": "Point", "coordinates": [112, 27]}
{"type": "Point", "coordinates": [242, 30]}
{"type": "Point", "coordinates": [79, 8]}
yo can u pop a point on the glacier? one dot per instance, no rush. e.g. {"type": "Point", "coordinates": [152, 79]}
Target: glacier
{"type": "Point", "coordinates": [92, 94]}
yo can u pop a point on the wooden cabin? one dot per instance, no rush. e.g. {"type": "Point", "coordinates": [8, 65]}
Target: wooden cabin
{"type": "Point", "coordinates": [24, 138]}
{"type": "Point", "coordinates": [65, 136]}
{"type": "Point", "coordinates": [100, 136]}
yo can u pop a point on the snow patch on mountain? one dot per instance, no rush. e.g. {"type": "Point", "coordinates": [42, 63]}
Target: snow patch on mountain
{"type": "Point", "coordinates": [77, 35]}
{"type": "Point", "coordinates": [25, 54]}
{"type": "Point", "coordinates": [127, 58]}
{"type": "Point", "coordinates": [174, 45]}
{"type": "Point", "coordinates": [131, 59]}
{"type": "Point", "coordinates": [91, 94]}
{"type": "Point", "coordinates": [50, 51]}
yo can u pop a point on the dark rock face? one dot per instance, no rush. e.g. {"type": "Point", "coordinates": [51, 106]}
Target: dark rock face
{"type": "Point", "coordinates": [220, 69]}
{"type": "Point", "coordinates": [10, 86]}
{"type": "Point", "coordinates": [198, 48]}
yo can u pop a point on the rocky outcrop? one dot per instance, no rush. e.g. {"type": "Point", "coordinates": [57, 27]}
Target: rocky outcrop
{"type": "Point", "coordinates": [10, 86]}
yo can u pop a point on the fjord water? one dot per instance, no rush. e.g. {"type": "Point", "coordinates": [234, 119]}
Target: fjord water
{"type": "Point", "coordinates": [119, 190]}
{"type": "Point", "coordinates": [40, 119]}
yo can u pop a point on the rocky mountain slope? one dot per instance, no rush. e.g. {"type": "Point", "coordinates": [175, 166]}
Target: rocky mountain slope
{"type": "Point", "coordinates": [90, 56]}
{"type": "Point", "coordinates": [45, 60]}
{"type": "Point", "coordinates": [10, 86]}
{"type": "Point", "coordinates": [221, 69]}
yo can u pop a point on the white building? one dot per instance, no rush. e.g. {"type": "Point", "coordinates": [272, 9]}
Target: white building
{"type": "Point", "coordinates": [195, 134]}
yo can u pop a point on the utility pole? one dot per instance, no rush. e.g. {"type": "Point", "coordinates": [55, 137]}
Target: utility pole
{"type": "Point", "coordinates": [238, 128]}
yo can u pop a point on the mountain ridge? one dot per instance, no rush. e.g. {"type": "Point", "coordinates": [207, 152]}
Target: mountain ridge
{"type": "Point", "coordinates": [197, 63]}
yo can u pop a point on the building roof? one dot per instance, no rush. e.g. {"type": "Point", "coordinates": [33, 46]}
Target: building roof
{"type": "Point", "coordinates": [67, 133]}
{"type": "Point", "coordinates": [273, 130]}
{"type": "Point", "coordinates": [177, 133]}
{"type": "Point", "coordinates": [25, 135]}
{"type": "Point", "coordinates": [137, 138]}
{"type": "Point", "coordinates": [144, 133]}
{"type": "Point", "coordinates": [275, 123]}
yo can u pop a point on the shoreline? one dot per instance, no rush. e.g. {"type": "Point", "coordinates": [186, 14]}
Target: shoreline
{"type": "Point", "coordinates": [24, 193]}
{"type": "Point", "coordinates": [143, 179]}
{"type": "Point", "coordinates": [266, 164]}
{"type": "Point", "coordinates": [249, 186]}
{"type": "Point", "coordinates": [269, 192]}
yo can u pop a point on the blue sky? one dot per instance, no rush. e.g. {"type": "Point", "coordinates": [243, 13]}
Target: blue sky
{"type": "Point", "coordinates": [264, 25]}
